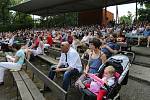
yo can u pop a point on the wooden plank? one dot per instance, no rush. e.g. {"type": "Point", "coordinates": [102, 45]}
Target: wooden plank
{"type": "Point", "coordinates": [23, 75]}
{"type": "Point", "coordinates": [24, 93]}
{"type": "Point", "coordinates": [55, 48]}
{"type": "Point", "coordinates": [61, 93]}
{"type": "Point", "coordinates": [54, 53]}
{"type": "Point", "coordinates": [48, 59]}
{"type": "Point", "coordinates": [31, 86]}
{"type": "Point", "coordinates": [36, 94]}
{"type": "Point", "coordinates": [16, 76]}
{"type": "Point", "coordinates": [9, 53]}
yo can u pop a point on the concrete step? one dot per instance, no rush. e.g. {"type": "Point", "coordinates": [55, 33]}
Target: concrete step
{"type": "Point", "coordinates": [140, 73]}
{"type": "Point", "coordinates": [142, 60]}
{"type": "Point", "coordinates": [144, 51]}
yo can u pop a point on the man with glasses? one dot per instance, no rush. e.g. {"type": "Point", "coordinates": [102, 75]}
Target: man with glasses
{"type": "Point", "coordinates": [69, 63]}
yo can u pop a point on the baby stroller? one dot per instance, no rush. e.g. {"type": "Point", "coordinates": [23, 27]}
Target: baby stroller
{"type": "Point", "coordinates": [121, 62]}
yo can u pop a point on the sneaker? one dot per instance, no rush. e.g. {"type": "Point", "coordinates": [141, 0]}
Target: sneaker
{"type": "Point", "coordinates": [147, 46]}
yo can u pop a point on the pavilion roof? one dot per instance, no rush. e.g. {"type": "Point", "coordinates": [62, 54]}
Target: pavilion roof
{"type": "Point", "coordinates": [53, 7]}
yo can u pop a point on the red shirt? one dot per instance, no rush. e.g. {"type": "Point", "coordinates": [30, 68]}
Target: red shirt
{"type": "Point", "coordinates": [49, 40]}
{"type": "Point", "coordinates": [36, 43]}
{"type": "Point", "coordinates": [70, 39]}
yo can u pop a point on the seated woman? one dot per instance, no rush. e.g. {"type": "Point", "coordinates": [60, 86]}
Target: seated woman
{"type": "Point", "coordinates": [75, 42]}
{"type": "Point", "coordinates": [39, 50]}
{"type": "Point", "coordinates": [96, 59]}
{"type": "Point", "coordinates": [15, 63]}
{"type": "Point", "coordinates": [58, 37]}
{"type": "Point", "coordinates": [85, 39]}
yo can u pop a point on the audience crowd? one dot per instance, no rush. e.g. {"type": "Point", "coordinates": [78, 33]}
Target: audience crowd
{"type": "Point", "coordinates": [98, 44]}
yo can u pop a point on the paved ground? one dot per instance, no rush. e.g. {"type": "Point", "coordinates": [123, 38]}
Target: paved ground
{"type": "Point", "coordinates": [135, 90]}
{"type": "Point", "coordinates": [141, 50]}
{"type": "Point", "coordinates": [140, 73]}
{"type": "Point", "coordinates": [142, 60]}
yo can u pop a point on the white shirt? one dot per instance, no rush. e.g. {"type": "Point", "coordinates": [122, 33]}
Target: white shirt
{"type": "Point", "coordinates": [73, 59]}
{"type": "Point", "coordinates": [110, 81]}
{"type": "Point", "coordinates": [134, 31]}
{"type": "Point", "coordinates": [40, 48]}
{"type": "Point", "coordinates": [11, 41]}
{"type": "Point", "coordinates": [75, 43]}
{"type": "Point", "coordinates": [85, 39]}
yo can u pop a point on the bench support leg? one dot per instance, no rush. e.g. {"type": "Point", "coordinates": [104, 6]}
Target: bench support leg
{"type": "Point", "coordinates": [26, 67]}
{"type": "Point", "coordinates": [17, 94]}
{"type": "Point", "coordinates": [13, 82]}
{"type": "Point", "coordinates": [32, 76]}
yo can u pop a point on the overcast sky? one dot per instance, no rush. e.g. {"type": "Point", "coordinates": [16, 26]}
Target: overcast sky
{"type": "Point", "coordinates": [123, 9]}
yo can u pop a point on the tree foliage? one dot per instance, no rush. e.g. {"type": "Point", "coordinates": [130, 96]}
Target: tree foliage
{"type": "Point", "coordinates": [126, 19]}
{"type": "Point", "coordinates": [10, 20]}
{"type": "Point", "coordinates": [67, 19]}
{"type": "Point", "coordinates": [4, 12]}
{"type": "Point", "coordinates": [144, 12]}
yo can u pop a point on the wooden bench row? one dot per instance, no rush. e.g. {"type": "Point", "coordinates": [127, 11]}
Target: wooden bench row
{"type": "Point", "coordinates": [60, 93]}
{"type": "Point", "coordinates": [25, 86]}
{"type": "Point", "coordinates": [28, 90]}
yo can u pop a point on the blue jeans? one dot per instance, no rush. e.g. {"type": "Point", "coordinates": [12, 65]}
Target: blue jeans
{"type": "Point", "coordinates": [66, 78]}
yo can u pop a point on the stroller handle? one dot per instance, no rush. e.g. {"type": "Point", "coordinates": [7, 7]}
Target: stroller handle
{"type": "Point", "coordinates": [128, 53]}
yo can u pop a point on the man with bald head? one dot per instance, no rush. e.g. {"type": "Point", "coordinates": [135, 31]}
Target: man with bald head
{"type": "Point", "coordinates": [69, 62]}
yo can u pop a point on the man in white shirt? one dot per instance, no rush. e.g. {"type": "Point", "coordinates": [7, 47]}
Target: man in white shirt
{"type": "Point", "coordinates": [69, 62]}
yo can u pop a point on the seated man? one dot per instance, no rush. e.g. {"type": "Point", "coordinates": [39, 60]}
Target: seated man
{"type": "Point", "coordinates": [69, 63]}
{"type": "Point", "coordinates": [110, 47]}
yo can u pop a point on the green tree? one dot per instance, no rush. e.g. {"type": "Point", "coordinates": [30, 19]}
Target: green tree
{"type": "Point", "coordinates": [67, 19]}
{"type": "Point", "coordinates": [10, 21]}
{"type": "Point", "coordinates": [4, 12]}
{"type": "Point", "coordinates": [126, 19]}
{"type": "Point", "coordinates": [144, 12]}
{"type": "Point", "coordinates": [22, 21]}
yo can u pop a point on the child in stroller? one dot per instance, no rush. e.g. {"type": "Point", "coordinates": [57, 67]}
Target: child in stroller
{"type": "Point", "coordinates": [96, 83]}
{"type": "Point", "coordinates": [121, 65]}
